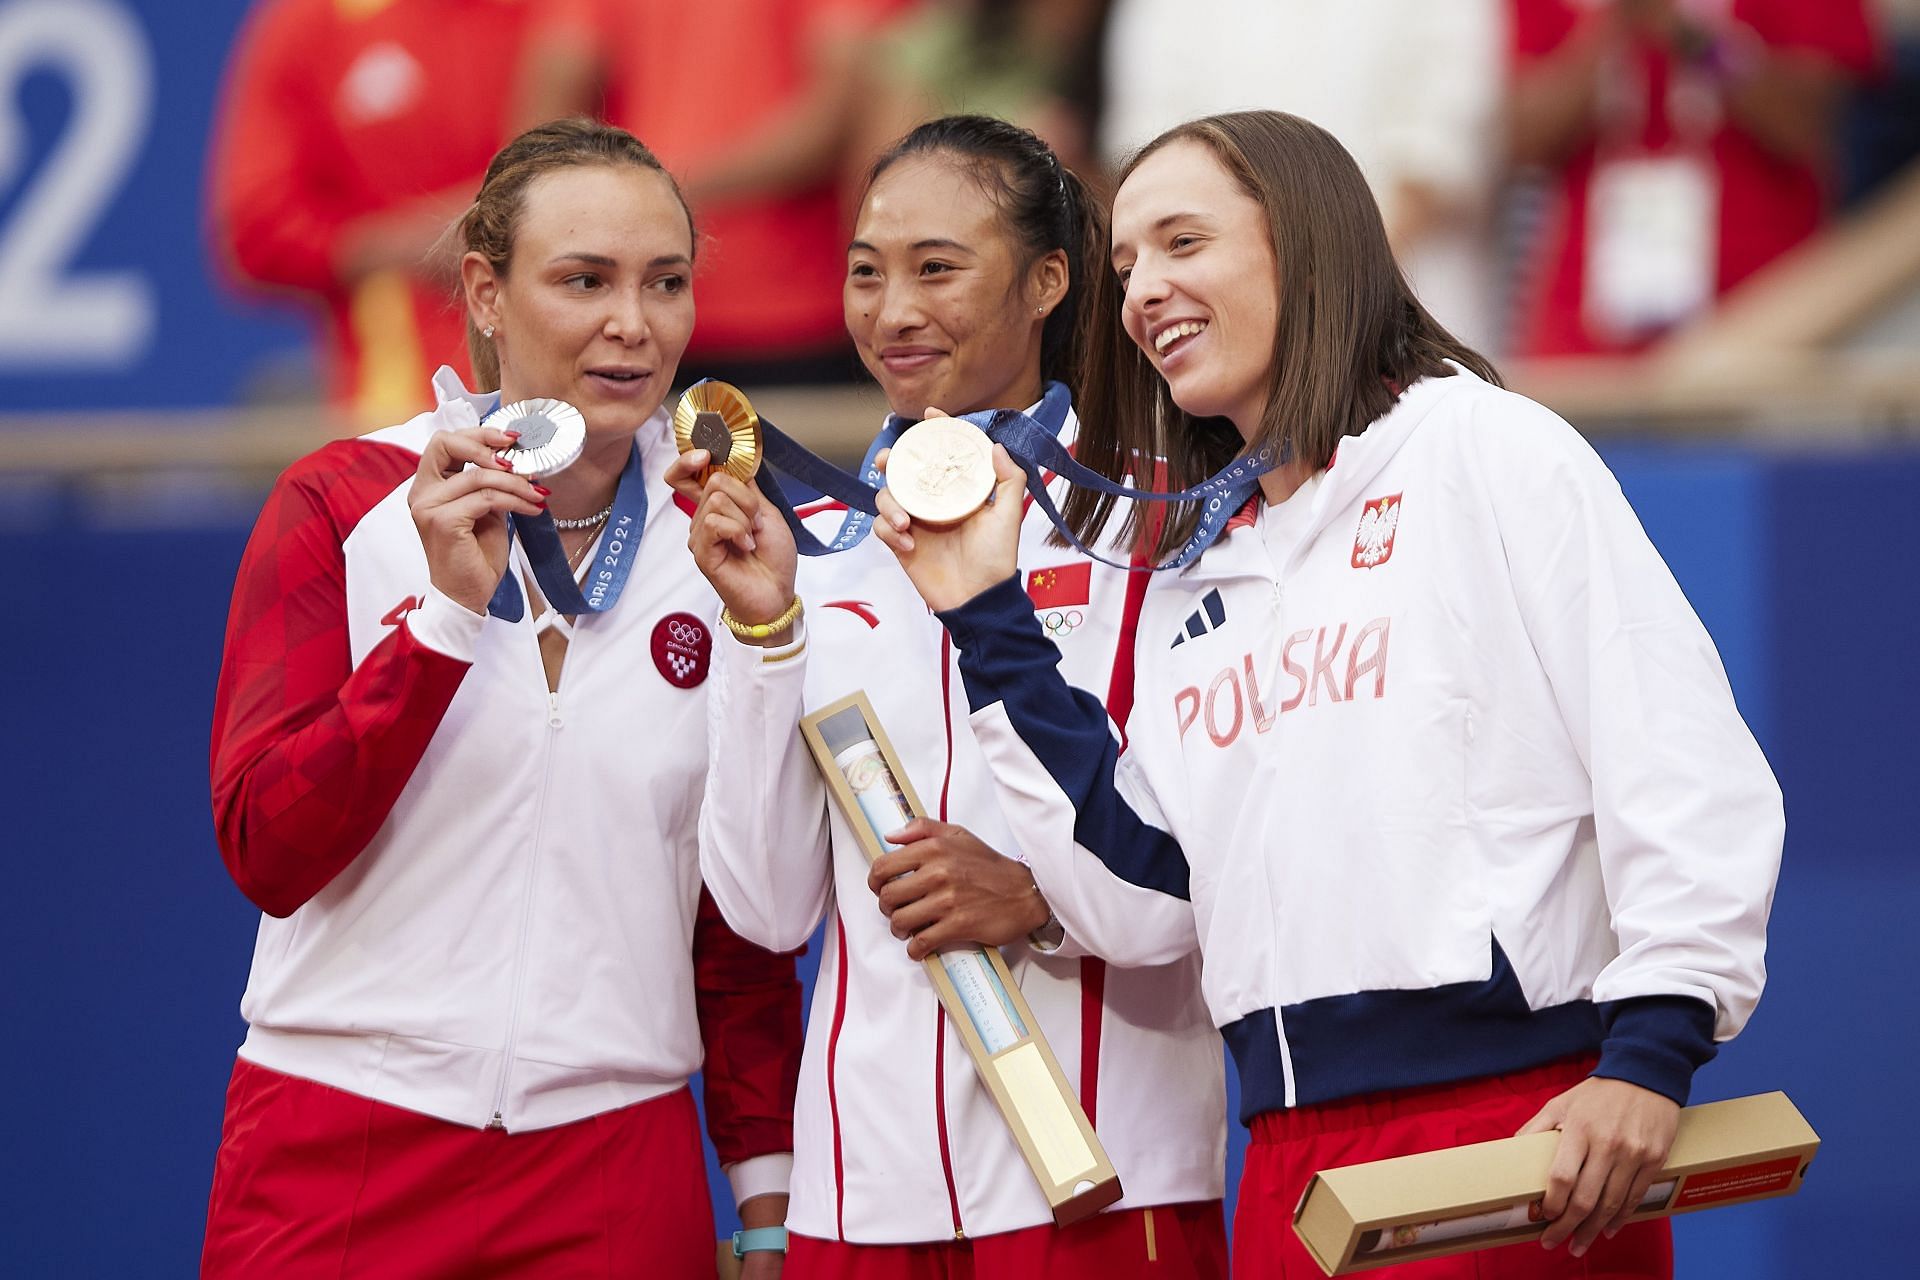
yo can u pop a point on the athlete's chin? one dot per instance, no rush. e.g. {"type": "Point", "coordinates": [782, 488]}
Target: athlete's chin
{"type": "Point", "coordinates": [909, 397]}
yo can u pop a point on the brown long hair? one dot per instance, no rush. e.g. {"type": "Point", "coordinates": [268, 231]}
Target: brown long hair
{"type": "Point", "coordinates": [489, 224]}
{"type": "Point", "coordinates": [1350, 331]}
{"type": "Point", "coordinates": [1043, 206]}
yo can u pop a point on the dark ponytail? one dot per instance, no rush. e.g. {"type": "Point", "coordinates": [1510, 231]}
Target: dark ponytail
{"type": "Point", "coordinates": [1044, 205]}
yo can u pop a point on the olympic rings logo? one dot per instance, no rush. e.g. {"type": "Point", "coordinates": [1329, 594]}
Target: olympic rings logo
{"type": "Point", "coordinates": [687, 633]}
{"type": "Point", "coordinates": [1060, 623]}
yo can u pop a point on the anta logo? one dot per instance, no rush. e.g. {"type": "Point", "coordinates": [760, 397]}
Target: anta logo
{"type": "Point", "coordinates": [1373, 540]}
{"type": "Point", "coordinates": [399, 611]}
{"type": "Point", "coordinates": [1315, 664]}
{"type": "Point", "coordinates": [1210, 616]}
{"type": "Point", "coordinates": [860, 609]}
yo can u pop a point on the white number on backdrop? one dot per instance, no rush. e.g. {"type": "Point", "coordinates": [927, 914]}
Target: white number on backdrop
{"type": "Point", "coordinates": [50, 314]}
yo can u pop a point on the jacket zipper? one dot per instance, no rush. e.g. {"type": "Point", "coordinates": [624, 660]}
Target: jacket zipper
{"type": "Point", "coordinates": [554, 723]}
{"type": "Point", "coordinates": [1281, 577]}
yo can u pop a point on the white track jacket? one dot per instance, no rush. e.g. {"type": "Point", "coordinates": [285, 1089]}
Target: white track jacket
{"type": "Point", "coordinates": [1448, 785]}
{"type": "Point", "coordinates": [483, 900]}
{"type": "Point", "coordinates": [895, 1139]}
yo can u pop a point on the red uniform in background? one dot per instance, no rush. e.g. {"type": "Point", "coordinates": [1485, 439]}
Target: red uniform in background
{"type": "Point", "coordinates": [1651, 106]}
{"type": "Point", "coordinates": [693, 80]}
{"type": "Point", "coordinates": [340, 111]}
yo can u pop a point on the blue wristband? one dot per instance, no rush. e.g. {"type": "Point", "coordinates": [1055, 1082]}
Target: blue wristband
{"type": "Point", "coordinates": [759, 1240]}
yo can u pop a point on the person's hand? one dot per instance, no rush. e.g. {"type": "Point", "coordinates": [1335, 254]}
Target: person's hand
{"type": "Point", "coordinates": [1614, 1139]}
{"type": "Point", "coordinates": [411, 237]}
{"type": "Point", "coordinates": [739, 541]}
{"type": "Point", "coordinates": [952, 564]}
{"type": "Point", "coordinates": [460, 500]}
{"type": "Point", "coordinates": [960, 890]}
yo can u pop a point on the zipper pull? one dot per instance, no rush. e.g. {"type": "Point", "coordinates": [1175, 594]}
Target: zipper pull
{"type": "Point", "coordinates": [497, 1123]}
{"type": "Point", "coordinates": [553, 709]}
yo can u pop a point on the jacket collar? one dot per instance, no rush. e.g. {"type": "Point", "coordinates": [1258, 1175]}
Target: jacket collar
{"type": "Point", "coordinates": [1356, 463]}
{"type": "Point", "coordinates": [451, 398]}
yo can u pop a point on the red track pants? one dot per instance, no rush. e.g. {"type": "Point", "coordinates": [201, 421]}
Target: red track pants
{"type": "Point", "coordinates": [311, 1181]}
{"type": "Point", "coordinates": [1289, 1147]}
{"type": "Point", "coordinates": [1169, 1242]}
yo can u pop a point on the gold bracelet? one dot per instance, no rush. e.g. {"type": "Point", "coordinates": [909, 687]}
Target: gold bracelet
{"type": "Point", "coordinates": [760, 630]}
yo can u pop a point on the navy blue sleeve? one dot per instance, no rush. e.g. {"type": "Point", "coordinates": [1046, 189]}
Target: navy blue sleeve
{"type": "Point", "coordinates": [1007, 660]}
{"type": "Point", "coordinates": [1657, 1042]}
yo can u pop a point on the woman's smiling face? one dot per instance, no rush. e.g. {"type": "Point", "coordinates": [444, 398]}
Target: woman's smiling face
{"type": "Point", "coordinates": [937, 299]}
{"type": "Point", "coordinates": [1195, 258]}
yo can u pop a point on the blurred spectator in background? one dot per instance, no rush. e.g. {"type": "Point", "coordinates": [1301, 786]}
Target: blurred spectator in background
{"type": "Point", "coordinates": [1025, 61]}
{"type": "Point", "coordinates": [350, 135]}
{"type": "Point", "coordinates": [1410, 87]}
{"type": "Point", "coordinates": [754, 106]}
{"type": "Point", "coordinates": [1688, 144]}
{"type": "Point", "coordinates": [1883, 121]}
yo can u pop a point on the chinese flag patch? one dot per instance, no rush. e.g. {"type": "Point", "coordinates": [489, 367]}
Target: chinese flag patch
{"type": "Point", "coordinates": [1061, 585]}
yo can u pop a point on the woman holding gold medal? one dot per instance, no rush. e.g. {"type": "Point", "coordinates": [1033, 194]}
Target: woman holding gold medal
{"type": "Point", "coordinates": [1428, 741]}
{"type": "Point", "coordinates": [965, 278]}
{"type": "Point", "coordinates": [463, 786]}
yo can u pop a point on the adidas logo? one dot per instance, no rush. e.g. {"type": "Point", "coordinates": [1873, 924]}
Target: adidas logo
{"type": "Point", "coordinates": [1210, 616]}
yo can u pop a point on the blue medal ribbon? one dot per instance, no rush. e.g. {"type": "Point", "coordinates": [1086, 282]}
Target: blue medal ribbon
{"type": "Point", "coordinates": [607, 573]}
{"type": "Point", "coordinates": [1036, 447]}
{"type": "Point", "coordinates": [781, 452]}
{"type": "Point", "coordinates": [1032, 441]}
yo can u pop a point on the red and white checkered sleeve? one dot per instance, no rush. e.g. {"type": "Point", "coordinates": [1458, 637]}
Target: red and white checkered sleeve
{"type": "Point", "coordinates": [310, 752]}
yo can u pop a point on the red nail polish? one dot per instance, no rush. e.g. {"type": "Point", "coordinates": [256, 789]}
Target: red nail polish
{"type": "Point", "coordinates": [542, 490]}
{"type": "Point", "coordinates": [511, 435]}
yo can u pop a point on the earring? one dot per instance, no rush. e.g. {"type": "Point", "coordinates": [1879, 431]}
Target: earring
{"type": "Point", "coordinates": [487, 332]}
{"type": "Point", "coordinates": [1039, 311]}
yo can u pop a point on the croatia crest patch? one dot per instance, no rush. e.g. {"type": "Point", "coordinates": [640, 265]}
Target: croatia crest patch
{"type": "Point", "coordinates": [1373, 541]}
{"type": "Point", "coordinates": [682, 649]}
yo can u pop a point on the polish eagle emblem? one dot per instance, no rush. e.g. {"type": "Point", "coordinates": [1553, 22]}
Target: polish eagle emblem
{"type": "Point", "coordinates": [1373, 541]}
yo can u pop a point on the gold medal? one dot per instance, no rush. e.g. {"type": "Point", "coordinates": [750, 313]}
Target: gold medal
{"type": "Point", "coordinates": [717, 417]}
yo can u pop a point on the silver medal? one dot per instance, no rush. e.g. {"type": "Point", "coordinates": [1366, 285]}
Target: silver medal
{"type": "Point", "coordinates": [552, 434]}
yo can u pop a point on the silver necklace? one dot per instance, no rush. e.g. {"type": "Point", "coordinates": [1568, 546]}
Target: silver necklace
{"type": "Point", "coordinates": [584, 522]}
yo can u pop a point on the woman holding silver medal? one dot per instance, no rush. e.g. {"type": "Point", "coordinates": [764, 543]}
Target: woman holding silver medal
{"type": "Point", "coordinates": [1447, 771]}
{"type": "Point", "coordinates": [969, 260]}
{"type": "Point", "coordinates": [488, 966]}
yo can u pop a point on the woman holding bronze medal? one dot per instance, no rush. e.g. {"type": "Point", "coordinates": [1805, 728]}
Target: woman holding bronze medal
{"type": "Point", "coordinates": [462, 785]}
{"type": "Point", "coordinates": [971, 254]}
{"type": "Point", "coordinates": [1474, 838]}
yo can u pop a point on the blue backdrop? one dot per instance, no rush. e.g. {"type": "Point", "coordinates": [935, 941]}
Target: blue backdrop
{"type": "Point", "coordinates": [124, 947]}
{"type": "Point", "coordinates": [107, 297]}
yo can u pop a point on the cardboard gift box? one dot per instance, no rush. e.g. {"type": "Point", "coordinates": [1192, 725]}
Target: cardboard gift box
{"type": "Point", "coordinates": [1364, 1216]}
